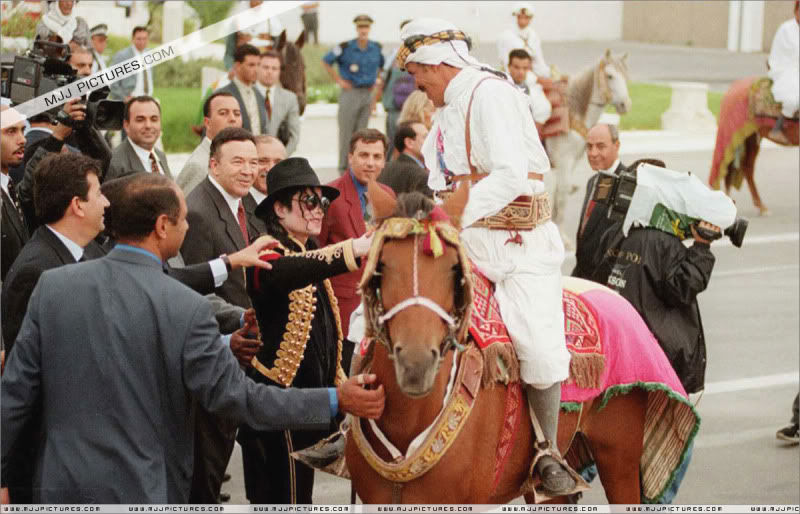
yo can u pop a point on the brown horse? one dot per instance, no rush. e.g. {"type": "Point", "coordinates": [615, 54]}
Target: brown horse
{"type": "Point", "coordinates": [293, 67]}
{"type": "Point", "coordinates": [740, 129]}
{"type": "Point", "coordinates": [414, 365]}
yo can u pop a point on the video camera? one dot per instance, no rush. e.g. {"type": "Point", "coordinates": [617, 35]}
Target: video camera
{"type": "Point", "coordinates": [671, 201]}
{"type": "Point", "coordinates": [38, 72]}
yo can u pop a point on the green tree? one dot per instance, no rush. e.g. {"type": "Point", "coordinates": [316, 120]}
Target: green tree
{"type": "Point", "coordinates": [210, 12]}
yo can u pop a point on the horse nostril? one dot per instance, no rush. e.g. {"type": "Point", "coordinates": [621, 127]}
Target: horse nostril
{"type": "Point", "coordinates": [435, 354]}
{"type": "Point", "coordinates": [397, 349]}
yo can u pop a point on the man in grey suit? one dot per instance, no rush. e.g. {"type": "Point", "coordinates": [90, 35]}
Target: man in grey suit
{"type": "Point", "coordinates": [251, 102]}
{"type": "Point", "coordinates": [133, 84]}
{"type": "Point", "coordinates": [220, 110]}
{"type": "Point", "coordinates": [118, 419]}
{"type": "Point", "coordinates": [407, 173]}
{"type": "Point", "coordinates": [281, 104]}
{"type": "Point", "coordinates": [221, 220]}
{"type": "Point", "coordinates": [138, 154]}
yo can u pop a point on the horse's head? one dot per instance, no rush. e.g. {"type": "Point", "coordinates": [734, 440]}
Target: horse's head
{"type": "Point", "coordinates": [416, 285]}
{"type": "Point", "coordinates": [293, 67]}
{"type": "Point", "coordinates": [612, 78]}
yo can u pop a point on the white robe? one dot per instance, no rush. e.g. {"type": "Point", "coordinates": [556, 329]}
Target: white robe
{"type": "Point", "coordinates": [783, 66]}
{"type": "Point", "coordinates": [505, 145]}
{"type": "Point", "coordinates": [529, 41]}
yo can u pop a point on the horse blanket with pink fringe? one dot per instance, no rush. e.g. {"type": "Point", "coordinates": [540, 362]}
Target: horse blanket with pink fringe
{"type": "Point", "coordinates": [633, 359]}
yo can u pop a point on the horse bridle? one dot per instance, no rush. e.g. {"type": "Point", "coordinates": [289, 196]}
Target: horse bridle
{"type": "Point", "coordinates": [456, 321]}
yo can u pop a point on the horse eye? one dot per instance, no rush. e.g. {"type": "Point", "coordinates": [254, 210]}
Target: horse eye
{"type": "Point", "coordinates": [610, 77]}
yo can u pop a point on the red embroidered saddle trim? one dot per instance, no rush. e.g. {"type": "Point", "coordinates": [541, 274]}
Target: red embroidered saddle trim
{"type": "Point", "coordinates": [580, 326]}
{"type": "Point", "coordinates": [487, 327]}
{"type": "Point", "coordinates": [508, 434]}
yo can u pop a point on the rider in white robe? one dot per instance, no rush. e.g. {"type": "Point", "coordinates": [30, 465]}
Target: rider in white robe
{"type": "Point", "coordinates": [783, 69]}
{"type": "Point", "coordinates": [525, 266]}
{"type": "Point", "coordinates": [522, 35]}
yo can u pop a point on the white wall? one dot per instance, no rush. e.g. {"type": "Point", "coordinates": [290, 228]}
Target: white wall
{"type": "Point", "coordinates": [484, 20]}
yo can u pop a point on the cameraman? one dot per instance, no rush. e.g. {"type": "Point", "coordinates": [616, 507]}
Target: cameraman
{"type": "Point", "coordinates": [70, 129]}
{"type": "Point", "coordinates": [662, 278]}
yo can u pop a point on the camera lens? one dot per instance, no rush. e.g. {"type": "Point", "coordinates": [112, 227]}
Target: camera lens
{"type": "Point", "coordinates": [736, 232]}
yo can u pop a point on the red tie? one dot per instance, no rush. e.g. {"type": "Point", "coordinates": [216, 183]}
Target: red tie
{"type": "Point", "coordinates": [242, 222]}
{"type": "Point", "coordinates": [154, 164]}
{"type": "Point", "coordinates": [268, 105]}
{"type": "Point", "coordinates": [586, 216]}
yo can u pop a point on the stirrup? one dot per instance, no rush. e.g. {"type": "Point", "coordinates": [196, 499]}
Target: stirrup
{"type": "Point", "coordinates": [546, 488]}
{"type": "Point", "coordinates": [327, 455]}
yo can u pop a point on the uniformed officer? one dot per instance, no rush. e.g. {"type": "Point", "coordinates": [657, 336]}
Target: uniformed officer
{"type": "Point", "coordinates": [99, 34]}
{"type": "Point", "coordinates": [360, 62]}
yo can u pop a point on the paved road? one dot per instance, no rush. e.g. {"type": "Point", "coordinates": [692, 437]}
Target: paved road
{"type": "Point", "coordinates": [750, 314]}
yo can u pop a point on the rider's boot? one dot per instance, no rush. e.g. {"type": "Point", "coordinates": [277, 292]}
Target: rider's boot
{"type": "Point", "coordinates": [545, 405]}
{"type": "Point", "coordinates": [777, 134]}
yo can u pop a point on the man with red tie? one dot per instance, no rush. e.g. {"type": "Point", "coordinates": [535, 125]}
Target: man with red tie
{"type": "Point", "coordinates": [351, 211]}
{"type": "Point", "coordinates": [138, 154]}
{"type": "Point", "coordinates": [221, 216]}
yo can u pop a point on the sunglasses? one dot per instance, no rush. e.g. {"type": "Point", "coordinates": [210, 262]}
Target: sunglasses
{"type": "Point", "coordinates": [311, 202]}
{"type": "Point", "coordinates": [411, 44]}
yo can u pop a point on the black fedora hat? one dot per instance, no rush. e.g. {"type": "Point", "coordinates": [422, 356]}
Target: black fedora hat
{"type": "Point", "coordinates": [291, 173]}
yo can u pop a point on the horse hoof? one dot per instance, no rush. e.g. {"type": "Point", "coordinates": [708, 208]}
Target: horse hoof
{"type": "Point", "coordinates": [764, 211]}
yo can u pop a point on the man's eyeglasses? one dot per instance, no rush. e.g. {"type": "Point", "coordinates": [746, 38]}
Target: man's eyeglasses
{"type": "Point", "coordinates": [311, 202]}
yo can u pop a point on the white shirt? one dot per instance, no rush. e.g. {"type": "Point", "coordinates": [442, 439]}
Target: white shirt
{"type": "Point", "coordinates": [526, 39]}
{"type": "Point", "coordinates": [138, 89]}
{"type": "Point", "coordinates": [144, 156]}
{"type": "Point", "coordinates": [99, 62]}
{"type": "Point", "coordinates": [257, 195]}
{"type": "Point", "coordinates": [785, 52]}
{"type": "Point", "coordinates": [232, 201]}
{"type": "Point", "coordinates": [73, 247]}
{"type": "Point", "coordinates": [263, 90]}
{"type": "Point", "coordinates": [540, 105]}
{"type": "Point", "coordinates": [4, 183]}
{"type": "Point", "coordinates": [505, 143]}
{"type": "Point", "coordinates": [612, 169]}
{"type": "Point", "coordinates": [250, 105]}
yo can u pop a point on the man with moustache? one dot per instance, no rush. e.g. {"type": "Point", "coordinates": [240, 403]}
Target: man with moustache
{"type": "Point", "coordinates": [242, 87]}
{"type": "Point", "coordinates": [483, 135]}
{"type": "Point", "coordinates": [221, 221]}
{"type": "Point", "coordinates": [13, 232]}
{"type": "Point", "coordinates": [138, 154]}
{"type": "Point", "coordinates": [270, 152]}
{"type": "Point", "coordinates": [220, 110]}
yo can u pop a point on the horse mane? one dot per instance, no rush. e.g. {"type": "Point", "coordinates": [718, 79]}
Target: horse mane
{"type": "Point", "coordinates": [579, 92]}
{"type": "Point", "coordinates": [413, 205]}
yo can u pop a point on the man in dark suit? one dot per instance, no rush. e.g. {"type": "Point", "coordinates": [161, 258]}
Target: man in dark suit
{"type": "Point", "coordinates": [124, 404]}
{"type": "Point", "coordinates": [349, 214]}
{"type": "Point", "coordinates": [70, 206]}
{"type": "Point", "coordinates": [407, 173]}
{"type": "Point", "coordinates": [595, 229]}
{"type": "Point", "coordinates": [242, 87]}
{"type": "Point", "coordinates": [13, 231]}
{"type": "Point", "coordinates": [137, 154]}
{"type": "Point", "coordinates": [221, 220]}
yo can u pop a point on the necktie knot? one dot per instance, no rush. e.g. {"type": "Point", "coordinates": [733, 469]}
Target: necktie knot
{"type": "Point", "coordinates": [154, 164]}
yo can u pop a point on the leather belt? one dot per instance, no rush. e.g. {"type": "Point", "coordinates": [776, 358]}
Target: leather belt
{"type": "Point", "coordinates": [524, 213]}
{"type": "Point", "coordinates": [477, 177]}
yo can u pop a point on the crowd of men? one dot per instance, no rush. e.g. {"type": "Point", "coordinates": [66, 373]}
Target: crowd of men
{"type": "Point", "coordinates": [187, 289]}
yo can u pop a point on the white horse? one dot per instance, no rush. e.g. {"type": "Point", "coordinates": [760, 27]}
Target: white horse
{"type": "Point", "coordinates": [587, 97]}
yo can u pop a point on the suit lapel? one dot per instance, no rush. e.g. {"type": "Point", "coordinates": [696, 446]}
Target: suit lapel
{"type": "Point", "coordinates": [162, 160]}
{"type": "Point", "coordinates": [133, 160]}
{"type": "Point", "coordinates": [225, 215]}
{"type": "Point", "coordinates": [250, 214]}
{"type": "Point", "coordinates": [245, 116]}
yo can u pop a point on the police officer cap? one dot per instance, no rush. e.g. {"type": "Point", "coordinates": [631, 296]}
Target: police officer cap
{"type": "Point", "coordinates": [99, 30]}
{"type": "Point", "coordinates": [522, 8]}
{"type": "Point", "coordinates": [362, 19]}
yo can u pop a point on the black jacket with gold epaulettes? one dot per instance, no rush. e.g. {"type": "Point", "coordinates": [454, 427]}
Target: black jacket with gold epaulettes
{"type": "Point", "coordinates": [298, 315]}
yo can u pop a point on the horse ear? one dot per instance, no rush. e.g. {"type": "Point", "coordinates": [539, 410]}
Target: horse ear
{"type": "Point", "coordinates": [607, 57]}
{"type": "Point", "coordinates": [454, 206]}
{"type": "Point", "coordinates": [383, 204]}
{"type": "Point", "coordinates": [281, 41]}
{"type": "Point", "coordinates": [301, 40]}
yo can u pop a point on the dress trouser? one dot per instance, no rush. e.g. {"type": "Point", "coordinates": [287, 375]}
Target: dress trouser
{"type": "Point", "coordinates": [271, 476]}
{"type": "Point", "coordinates": [213, 445]}
{"type": "Point", "coordinates": [353, 115]}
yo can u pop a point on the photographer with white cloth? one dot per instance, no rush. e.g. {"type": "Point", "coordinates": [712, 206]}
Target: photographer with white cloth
{"type": "Point", "coordinates": [783, 70]}
{"type": "Point", "coordinates": [525, 265]}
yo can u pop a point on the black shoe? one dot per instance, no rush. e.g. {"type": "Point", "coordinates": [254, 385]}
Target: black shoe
{"type": "Point", "coordinates": [789, 433]}
{"type": "Point", "coordinates": [322, 455]}
{"type": "Point", "coordinates": [226, 477]}
{"type": "Point", "coordinates": [555, 479]}
{"type": "Point", "coordinates": [224, 497]}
